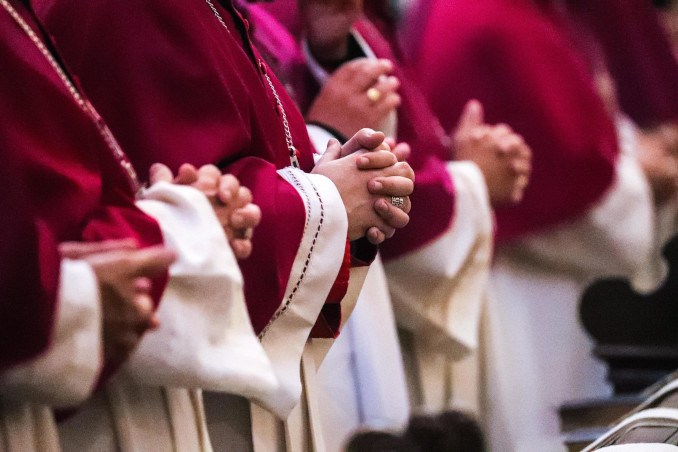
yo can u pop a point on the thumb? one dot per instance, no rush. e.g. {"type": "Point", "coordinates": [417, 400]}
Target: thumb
{"type": "Point", "coordinates": [471, 117]}
{"type": "Point", "coordinates": [333, 152]}
{"type": "Point", "coordinates": [364, 139]}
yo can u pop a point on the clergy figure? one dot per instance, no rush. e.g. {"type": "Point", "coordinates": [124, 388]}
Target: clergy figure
{"type": "Point", "coordinates": [437, 267]}
{"type": "Point", "coordinates": [73, 183]}
{"type": "Point", "coordinates": [588, 211]}
{"type": "Point", "coordinates": [180, 81]}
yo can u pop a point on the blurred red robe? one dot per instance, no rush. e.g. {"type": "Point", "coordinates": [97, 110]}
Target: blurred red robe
{"type": "Point", "coordinates": [637, 53]}
{"type": "Point", "coordinates": [587, 211]}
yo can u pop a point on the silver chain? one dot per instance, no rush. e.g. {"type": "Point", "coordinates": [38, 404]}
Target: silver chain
{"type": "Point", "coordinates": [87, 107]}
{"type": "Point", "coordinates": [216, 13]}
{"type": "Point", "coordinates": [283, 116]}
{"type": "Point", "coordinates": [285, 123]}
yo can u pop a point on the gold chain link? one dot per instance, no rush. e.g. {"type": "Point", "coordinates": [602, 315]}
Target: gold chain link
{"type": "Point", "coordinates": [85, 105]}
{"type": "Point", "coordinates": [283, 116]}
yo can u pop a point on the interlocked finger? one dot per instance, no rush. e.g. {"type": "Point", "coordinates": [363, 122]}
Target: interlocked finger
{"type": "Point", "coordinates": [402, 169]}
{"type": "Point", "coordinates": [186, 175]}
{"type": "Point", "coordinates": [228, 188]}
{"type": "Point", "coordinates": [376, 160]}
{"type": "Point", "coordinates": [392, 215]}
{"type": "Point", "coordinates": [160, 173]}
{"type": "Point", "coordinates": [375, 235]}
{"type": "Point", "coordinates": [391, 186]}
{"type": "Point", "coordinates": [242, 248]}
{"type": "Point", "coordinates": [367, 71]}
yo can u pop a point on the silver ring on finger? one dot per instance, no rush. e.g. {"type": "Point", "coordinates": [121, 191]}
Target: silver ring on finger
{"type": "Point", "coordinates": [398, 201]}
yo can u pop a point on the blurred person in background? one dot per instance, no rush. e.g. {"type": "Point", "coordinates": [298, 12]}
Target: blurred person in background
{"type": "Point", "coordinates": [589, 211]}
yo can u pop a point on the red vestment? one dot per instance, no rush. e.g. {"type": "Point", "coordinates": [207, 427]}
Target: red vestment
{"type": "Point", "coordinates": [487, 50]}
{"type": "Point", "coordinates": [176, 86]}
{"type": "Point", "coordinates": [67, 187]}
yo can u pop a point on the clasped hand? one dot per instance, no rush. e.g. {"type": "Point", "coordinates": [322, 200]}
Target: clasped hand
{"type": "Point", "coordinates": [124, 273]}
{"type": "Point", "coordinates": [501, 154]}
{"type": "Point", "coordinates": [367, 175]}
{"type": "Point", "coordinates": [232, 203]}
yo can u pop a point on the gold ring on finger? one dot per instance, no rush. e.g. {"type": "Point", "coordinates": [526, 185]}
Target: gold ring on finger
{"type": "Point", "coordinates": [373, 94]}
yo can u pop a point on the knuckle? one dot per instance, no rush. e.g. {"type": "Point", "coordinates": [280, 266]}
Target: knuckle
{"type": "Point", "coordinates": [478, 134]}
{"type": "Point", "coordinates": [503, 127]}
{"type": "Point", "coordinates": [364, 133]}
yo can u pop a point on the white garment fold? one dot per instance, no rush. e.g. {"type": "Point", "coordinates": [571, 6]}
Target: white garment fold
{"type": "Point", "coordinates": [314, 272]}
{"type": "Point", "coordinates": [537, 355]}
{"type": "Point", "coordinates": [361, 382]}
{"type": "Point", "coordinates": [205, 339]}
{"type": "Point", "coordinates": [438, 293]}
{"type": "Point", "coordinates": [65, 374]}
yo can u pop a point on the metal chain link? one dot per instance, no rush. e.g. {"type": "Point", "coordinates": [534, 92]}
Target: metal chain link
{"type": "Point", "coordinates": [283, 116]}
{"type": "Point", "coordinates": [216, 13]}
{"type": "Point", "coordinates": [286, 125]}
{"type": "Point", "coordinates": [87, 107]}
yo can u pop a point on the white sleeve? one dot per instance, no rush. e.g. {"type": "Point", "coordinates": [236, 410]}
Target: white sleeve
{"type": "Point", "coordinates": [314, 272]}
{"type": "Point", "coordinates": [319, 138]}
{"type": "Point", "coordinates": [438, 289]}
{"type": "Point", "coordinates": [205, 338]}
{"type": "Point", "coordinates": [376, 356]}
{"type": "Point", "coordinates": [65, 374]}
{"type": "Point", "coordinates": [615, 238]}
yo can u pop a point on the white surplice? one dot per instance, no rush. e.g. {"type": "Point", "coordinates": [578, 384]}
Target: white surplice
{"type": "Point", "coordinates": [536, 353]}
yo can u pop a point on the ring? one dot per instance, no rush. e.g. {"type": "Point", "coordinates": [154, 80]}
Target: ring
{"type": "Point", "coordinates": [373, 94]}
{"type": "Point", "coordinates": [397, 201]}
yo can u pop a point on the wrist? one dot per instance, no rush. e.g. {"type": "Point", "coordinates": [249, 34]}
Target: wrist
{"type": "Point", "coordinates": [338, 135]}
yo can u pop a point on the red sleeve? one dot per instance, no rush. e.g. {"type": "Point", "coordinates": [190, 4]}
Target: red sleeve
{"type": "Point", "coordinates": [29, 275]}
{"type": "Point", "coordinates": [62, 184]}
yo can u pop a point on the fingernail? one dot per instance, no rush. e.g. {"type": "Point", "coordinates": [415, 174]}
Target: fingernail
{"type": "Point", "coordinates": [364, 161]}
{"type": "Point", "coordinates": [376, 185]}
